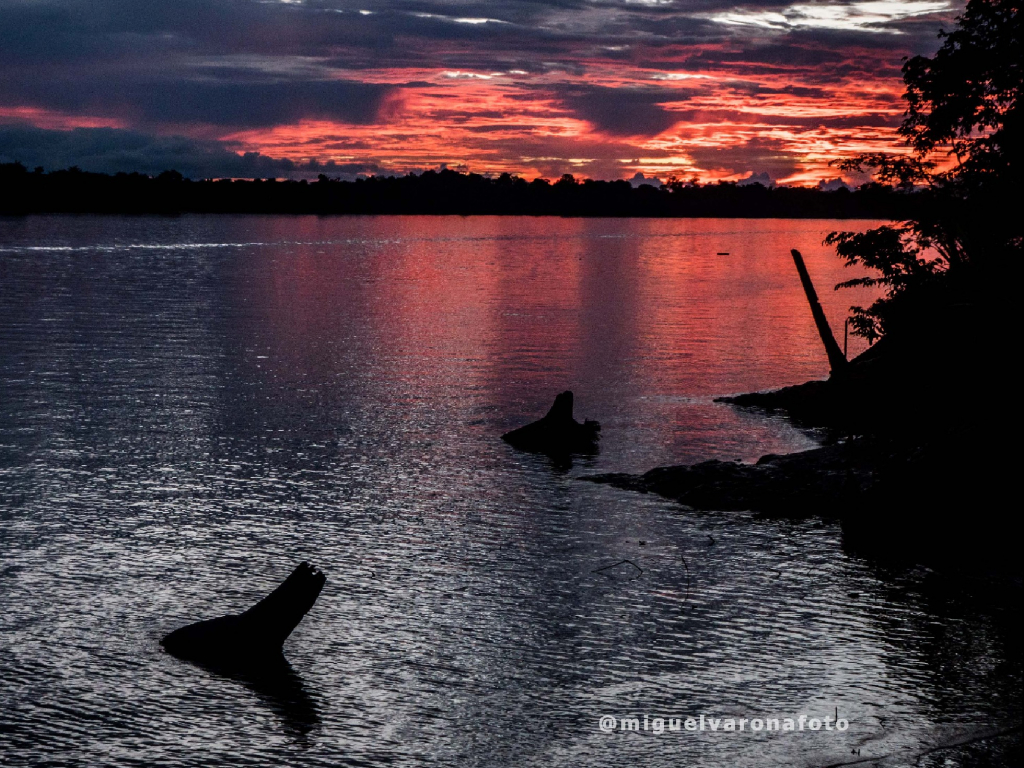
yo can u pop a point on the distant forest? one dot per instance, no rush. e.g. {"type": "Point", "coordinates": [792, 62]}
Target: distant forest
{"type": "Point", "coordinates": [435, 193]}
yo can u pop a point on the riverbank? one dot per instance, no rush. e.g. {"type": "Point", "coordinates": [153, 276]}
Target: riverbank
{"type": "Point", "coordinates": [922, 456]}
{"type": "Point", "coordinates": [922, 503]}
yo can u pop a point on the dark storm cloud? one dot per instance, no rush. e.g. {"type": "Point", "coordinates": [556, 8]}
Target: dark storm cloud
{"type": "Point", "coordinates": [759, 155]}
{"type": "Point", "coordinates": [63, 30]}
{"type": "Point", "coordinates": [241, 102]}
{"type": "Point", "coordinates": [790, 54]}
{"type": "Point", "coordinates": [110, 150]}
{"type": "Point", "coordinates": [821, 56]}
{"type": "Point", "coordinates": [870, 120]}
{"type": "Point", "coordinates": [395, 32]}
{"type": "Point", "coordinates": [624, 111]}
{"type": "Point", "coordinates": [151, 63]}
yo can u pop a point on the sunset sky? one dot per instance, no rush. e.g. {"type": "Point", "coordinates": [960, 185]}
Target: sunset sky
{"type": "Point", "coordinates": [605, 89]}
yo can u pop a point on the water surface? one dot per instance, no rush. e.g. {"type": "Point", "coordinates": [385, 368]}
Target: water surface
{"type": "Point", "coordinates": [190, 406]}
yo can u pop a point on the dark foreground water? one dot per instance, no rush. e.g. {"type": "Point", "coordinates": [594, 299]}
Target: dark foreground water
{"type": "Point", "coordinates": [191, 406]}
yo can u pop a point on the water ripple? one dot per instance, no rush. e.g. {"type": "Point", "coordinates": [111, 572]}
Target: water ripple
{"type": "Point", "coordinates": [176, 434]}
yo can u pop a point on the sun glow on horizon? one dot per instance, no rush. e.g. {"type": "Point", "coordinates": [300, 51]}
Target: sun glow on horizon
{"type": "Point", "coordinates": [597, 93]}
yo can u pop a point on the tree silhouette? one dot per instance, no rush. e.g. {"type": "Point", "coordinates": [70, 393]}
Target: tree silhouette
{"type": "Point", "coordinates": [963, 132]}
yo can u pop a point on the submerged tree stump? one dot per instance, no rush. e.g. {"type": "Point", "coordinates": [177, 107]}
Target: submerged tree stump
{"type": "Point", "coordinates": [558, 433]}
{"type": "Point", "coordinates": [258, 634]}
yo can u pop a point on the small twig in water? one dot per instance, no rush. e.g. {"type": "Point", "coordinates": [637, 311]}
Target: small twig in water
{"type": "Point", "coordinates": [606, 567]}
{"type": "Point", "coordinates": [687, 577]}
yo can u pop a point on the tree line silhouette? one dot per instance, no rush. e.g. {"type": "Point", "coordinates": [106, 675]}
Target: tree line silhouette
{"type": "Point", "coordinates": [435, 192]}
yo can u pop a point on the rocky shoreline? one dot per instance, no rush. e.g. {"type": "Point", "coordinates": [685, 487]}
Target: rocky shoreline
{"type": "Point", "coordinates": [934, 484]}
{"type": "Point", "coordinates": [923, 452]}
{"type": "Point", "coordinates": [916, 503]}
{"type": "Point", "coordinates": [791, 485]}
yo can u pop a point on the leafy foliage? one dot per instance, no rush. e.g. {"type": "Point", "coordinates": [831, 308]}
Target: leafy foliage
{"type": "Point", "coordinates": [967, 95]}
{"type": "Point", "coordinates": [963, 109]}
{"type": "Point", "coordinates": [895, 252]}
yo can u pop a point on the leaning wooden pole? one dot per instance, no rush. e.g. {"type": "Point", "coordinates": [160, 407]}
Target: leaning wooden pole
{"type": "Point", "coordinates": [836, 358]}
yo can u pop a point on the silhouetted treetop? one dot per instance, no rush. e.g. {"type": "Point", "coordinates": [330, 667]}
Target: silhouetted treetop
{"type": "Point", "coordinates": [967, 94]}
{"type": "Point", "coordinates": [963, 249]}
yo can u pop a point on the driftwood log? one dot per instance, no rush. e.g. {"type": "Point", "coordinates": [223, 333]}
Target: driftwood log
{"type": "Point", "coordinates": [256, 635]}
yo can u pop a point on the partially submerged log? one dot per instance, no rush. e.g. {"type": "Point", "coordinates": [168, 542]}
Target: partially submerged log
{"type": "Point", "coordinates": [256, 635]}
{"type": "Point", "coordinates": [558, 433]}
{"type": "Point", "coordinates": [836, 358]}
{"type": "Point", "coordinates": [849, 399]}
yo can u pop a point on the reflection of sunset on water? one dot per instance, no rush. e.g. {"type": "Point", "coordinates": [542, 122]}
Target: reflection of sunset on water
{"type": "Point", "coordinates": [440, 306]}
{"type": "Point", "coordinates": [193, 404]}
